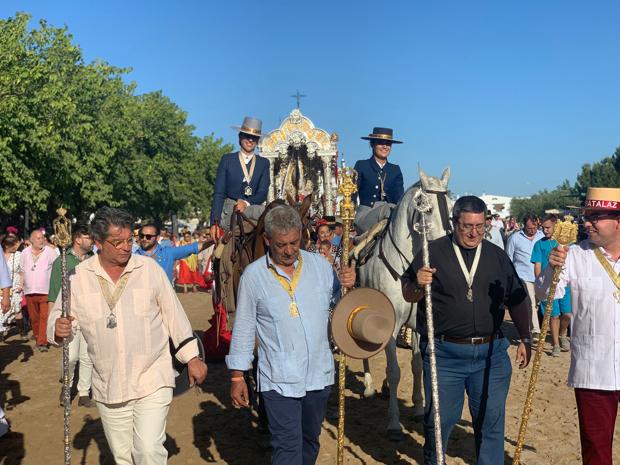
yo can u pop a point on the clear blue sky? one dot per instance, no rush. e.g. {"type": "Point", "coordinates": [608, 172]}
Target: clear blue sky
{"type": "Point", "coordinates": [514, 96]}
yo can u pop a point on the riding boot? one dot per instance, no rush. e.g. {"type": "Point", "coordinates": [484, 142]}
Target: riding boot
{"type": "Point", "coordinates": [22, 327]}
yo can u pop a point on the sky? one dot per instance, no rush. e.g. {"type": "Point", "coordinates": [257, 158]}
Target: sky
{"type": "Point", "coordinates": [513, 96]}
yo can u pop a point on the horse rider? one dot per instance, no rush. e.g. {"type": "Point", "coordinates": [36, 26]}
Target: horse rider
{"type": "Point", "coordinates": [242, 180]}
{"type": "Point", "coordinates": [379, 182]}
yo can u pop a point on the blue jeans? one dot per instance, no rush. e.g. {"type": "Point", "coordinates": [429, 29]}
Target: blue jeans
{"type": "Point", "coordinates": [295, 426]}
{"type": "Point", "coordinates": [483, 371]}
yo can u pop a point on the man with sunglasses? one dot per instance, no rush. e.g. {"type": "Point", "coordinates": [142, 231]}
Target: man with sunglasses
{"type": "Point", "coordinates": [148, 236]}
{"type": "Point", "coordinates": [591, 270]}
{"type": "Point", "coordinates": [127, 313]}
{"type": "Point", "coordinates": [242, 180]}
{"type": "Point", "coordinates": [379, 182]}
{"type": "Point", "coordinates": [472, 282]}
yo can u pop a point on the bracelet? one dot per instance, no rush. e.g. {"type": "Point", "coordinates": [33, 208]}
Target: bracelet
{"type": "Point", "coordinates": [237, 378]}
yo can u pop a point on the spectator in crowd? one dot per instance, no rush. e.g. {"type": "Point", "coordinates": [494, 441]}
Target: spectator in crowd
{"type": "Point", "coordinates": [561, 313]}
{"type": "Point", "coordinates": [519, 249]}
{"type": "Point", "coordinates": [165, 256]}
{"type": "Point", "coordinates": [36, 264]}
{"type": "Point", "coordinates": [12, 257]}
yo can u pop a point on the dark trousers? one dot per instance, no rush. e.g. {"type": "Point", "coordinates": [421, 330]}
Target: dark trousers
{"type": "Point", "coordinates": [295, 426]}
{"type": "Point", "coordinates": [38, 310]}
{"type": "Point", "coordinates": [597, 418]}
{"type": "Point", "coordinates": [483, 371]}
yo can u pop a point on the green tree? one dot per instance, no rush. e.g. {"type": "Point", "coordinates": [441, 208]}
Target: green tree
{"type": "Point", "coordinates": [537, 204]}
{"type": "Point", "coordinates": [605, 173]}
{"type": "Point", "coordinates": [75, 134]}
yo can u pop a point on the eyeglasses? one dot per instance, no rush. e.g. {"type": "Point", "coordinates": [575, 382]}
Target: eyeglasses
{"type": "Point", "coordinates": [148, 237]}
{"type": "Point", "coordinates": [467, 228]}
{"type": "Point", "coordinates": [118, 244]}
{"type": "Point", "coordinates": [596, 218]}
{"type": "Point", "coordinates": [250, 138]}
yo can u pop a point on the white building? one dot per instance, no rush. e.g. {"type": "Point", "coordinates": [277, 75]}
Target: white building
{"type": "Point", "coordinates": [499, 204]}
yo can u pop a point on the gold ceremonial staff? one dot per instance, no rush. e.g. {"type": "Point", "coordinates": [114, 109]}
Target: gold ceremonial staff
{"type": "Point", "coordinates": [565, 233]}
{"type": "Point", "coordinates": [347, 188]}
{"type": "Point", "coordinates": [62, 238]}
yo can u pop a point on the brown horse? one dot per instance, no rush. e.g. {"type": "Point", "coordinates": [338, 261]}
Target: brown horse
{"type": "Point", "coordinates": [243, 245]}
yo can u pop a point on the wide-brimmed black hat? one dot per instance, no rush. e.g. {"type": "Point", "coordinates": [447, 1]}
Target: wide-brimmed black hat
{"type": "Point", "coordinates": [382, 134]}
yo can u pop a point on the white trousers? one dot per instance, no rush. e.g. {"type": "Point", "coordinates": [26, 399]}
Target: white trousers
{"type": "Point", "coordinates": [531, 290]}
{"type": "Point", "coordinates": [78, 351]}
{"type": "Point", "coordinates": [137, 429]}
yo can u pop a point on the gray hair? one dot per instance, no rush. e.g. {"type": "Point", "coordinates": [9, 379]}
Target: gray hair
{"type": "Point", "coordinates": [282, 219]}
{"type": "Point", "coordinates": [106, 217]}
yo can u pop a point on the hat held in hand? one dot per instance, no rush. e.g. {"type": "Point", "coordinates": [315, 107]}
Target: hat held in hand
{"type": "Point", "coordinates": [363, 323]}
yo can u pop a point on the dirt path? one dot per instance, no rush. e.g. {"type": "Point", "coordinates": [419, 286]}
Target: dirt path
{"type": "Point", "coordinates": [203, 427]}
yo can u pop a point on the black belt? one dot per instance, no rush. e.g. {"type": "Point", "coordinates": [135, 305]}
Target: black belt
{"type": "Point", "coordinates": [471, 340]}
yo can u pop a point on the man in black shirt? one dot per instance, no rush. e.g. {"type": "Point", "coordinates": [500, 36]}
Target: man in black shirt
{"type": "Point", "coordinates": [472, 282]}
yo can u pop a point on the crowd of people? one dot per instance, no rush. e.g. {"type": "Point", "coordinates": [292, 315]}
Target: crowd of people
{"type": "Point", "coordinates": [123, 278]}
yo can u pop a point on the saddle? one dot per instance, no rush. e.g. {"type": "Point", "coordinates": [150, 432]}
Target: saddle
{"type": "Point", "coordinates": [367, 242]}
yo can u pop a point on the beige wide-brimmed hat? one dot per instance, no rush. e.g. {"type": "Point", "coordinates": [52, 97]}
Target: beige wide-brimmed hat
{"type": "Point", "coordinates": [251, 126]}
{"type": "Point", "coordinates": [363, 323]}
{"type": "Point", "coordinates": [603, 199]}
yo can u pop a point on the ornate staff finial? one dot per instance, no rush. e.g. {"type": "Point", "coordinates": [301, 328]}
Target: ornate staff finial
{"type": "Point", "coordinates": [62, 229]}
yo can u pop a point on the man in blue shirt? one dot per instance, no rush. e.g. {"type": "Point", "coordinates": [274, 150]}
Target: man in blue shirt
{"type": "Point", "coordinates": [519, 250]}
{"type": "Point", "coordinates": [165, 256]}
{"type": "Point", "coordinates": [283, 303]}
{"type": "Point", "coordinates": [379, 182]}
{"type": "Point", "coordinates": [561, 313]}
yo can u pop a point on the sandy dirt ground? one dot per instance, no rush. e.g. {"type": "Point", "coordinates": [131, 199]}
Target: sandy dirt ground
{"type": "Point", "coordinates": [204, 427]}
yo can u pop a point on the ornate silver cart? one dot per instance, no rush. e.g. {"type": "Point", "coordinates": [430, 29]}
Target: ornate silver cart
{"type": "Point", "coordinates": [302, 159]}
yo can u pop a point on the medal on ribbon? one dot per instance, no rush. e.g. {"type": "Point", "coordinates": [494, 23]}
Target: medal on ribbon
{"type": "Point", "coordinates": [469, 275]}
{"type": "Point", "coordinates": [290, 286]}
{"type": "Point", "coordinates": [247, 175]}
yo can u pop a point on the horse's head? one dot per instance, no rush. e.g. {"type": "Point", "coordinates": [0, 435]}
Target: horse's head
{"type": "Point", "coordinates": [438, 217]}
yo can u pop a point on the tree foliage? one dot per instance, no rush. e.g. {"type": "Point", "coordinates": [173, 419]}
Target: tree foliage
{"type": "Point", "coordinates": [76, 134]}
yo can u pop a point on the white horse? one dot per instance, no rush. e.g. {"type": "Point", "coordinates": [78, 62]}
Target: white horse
{"type": "Point", "coordinates": [390, 258]}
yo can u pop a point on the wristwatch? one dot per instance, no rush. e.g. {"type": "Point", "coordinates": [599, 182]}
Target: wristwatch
{"type": "Point", "coordinates": [526, 340]}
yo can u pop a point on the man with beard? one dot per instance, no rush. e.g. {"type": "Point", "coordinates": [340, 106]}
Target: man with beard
{"type": "Point", "coordinates": [591, 270]}
{"type": "Point", "coordinates": [148, 236]}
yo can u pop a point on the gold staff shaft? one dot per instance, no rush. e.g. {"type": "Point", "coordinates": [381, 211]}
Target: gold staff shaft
{"type": "Point", "coordinates": [565, 233]}
{"type": "Point", "coordinates": [347, 213]}
{"type": "Point", "coordinates": [527, 408]}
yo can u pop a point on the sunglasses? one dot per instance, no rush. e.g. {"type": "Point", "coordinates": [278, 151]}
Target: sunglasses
{"type": "Point", "coordinates": [596, 218]}
{"type": "Point", "coordinates": [148, 237]}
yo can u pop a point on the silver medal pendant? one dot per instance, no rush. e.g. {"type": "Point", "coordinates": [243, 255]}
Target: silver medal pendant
{"type": "Point", "coordinates": [111, 321]}
{"type": "Point", "coordinates": [247, 191]}
{"type": "Point", "coordinates": [470, 295]}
